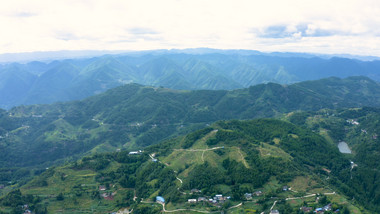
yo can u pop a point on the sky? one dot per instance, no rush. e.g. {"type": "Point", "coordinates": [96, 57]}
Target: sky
{"type": "Point", "coordinates": [312, 26]}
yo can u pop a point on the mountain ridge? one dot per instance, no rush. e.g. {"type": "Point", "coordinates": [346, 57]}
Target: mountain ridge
{"type": "Point", "coordinates": [209, 70]}
{"type": "Point", "coordinates": [135, 116]}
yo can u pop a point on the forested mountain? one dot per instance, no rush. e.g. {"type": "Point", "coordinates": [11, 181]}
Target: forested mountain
{"type": "Point", "coordinates": [135, 116]}
{"type": "Point", "coordinates": [230, 158]}
{"type": "Point", "coordinates": [72, 79]}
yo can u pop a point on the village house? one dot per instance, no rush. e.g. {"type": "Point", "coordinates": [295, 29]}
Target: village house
{"type": "Point", "coordinates": [327, 207]}
{"type": "Point", "coordinates": [102, 188]}
{"type": "Point", "coordinates": [352, 122]}
{"type": "Point", "coordinates": [306, 209]}
{"type": "Point", "coordinates": [323, 209]}
{"type": "Point", "coordinates": [160, 199]}
{"type": "Point", "coordinates": [258, 193]}
{"type": "Point", "coordinates": [248, 196]}
{"type": "Point", "coordinates": [215, 200]}
{"type": "Point", "coordinates": [202, 199]}
{"type": "Point", "coordinates": [285, 188]}
{"type": "Point", "coordinates": [195, 191]}
{"type": "Point", "coordinates": [217, 197]}
{"type": "Point", "coordinates": [319, 210]}
{"type": "Point", "coordinates": [274, 212]}
{"type": "Point", "coordinates": [108, 196]}
{"type": "Point", "coordinates": [135, 152]}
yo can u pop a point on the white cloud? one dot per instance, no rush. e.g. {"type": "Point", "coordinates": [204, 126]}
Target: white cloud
{"type": "Point", "coordinates": [349, 26]}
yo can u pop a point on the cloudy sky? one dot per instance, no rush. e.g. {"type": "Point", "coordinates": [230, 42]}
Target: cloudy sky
{"type": "Point", "coordinates": [318, 26]}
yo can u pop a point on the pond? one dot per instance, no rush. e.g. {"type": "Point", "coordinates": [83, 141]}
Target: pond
{"type": "Point", "coordinates": [343, 148]}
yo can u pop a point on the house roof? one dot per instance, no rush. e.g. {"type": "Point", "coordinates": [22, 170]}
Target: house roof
{"type": "Point", "coordinates": [160, 199]}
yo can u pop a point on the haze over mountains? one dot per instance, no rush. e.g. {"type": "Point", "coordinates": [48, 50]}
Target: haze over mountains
{"type": "Point", "coordinates": [40, 82]}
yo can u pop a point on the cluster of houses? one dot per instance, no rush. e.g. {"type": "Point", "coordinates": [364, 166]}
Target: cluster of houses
{"type": "Point", "coordinates": [352, 122]}
{"type": "Point", "coordinates": [106, 195]}
{"type": "Point", "coordinates": [26, 209]}
{"type": "Point", "coordinates": [248, 196]}
{"type": "Point", "coordinates": [374, 136]}
{"type": "Point", "coordinates": [102, 188]}
{"type": "Point", "coordinates": [319, 209]}
{"type": "Point", "coordinates": [323, 209]}
{"type": "Point", "coordinates": [310, 209]}
{"type": "Point", "coordinates": [217, 199]}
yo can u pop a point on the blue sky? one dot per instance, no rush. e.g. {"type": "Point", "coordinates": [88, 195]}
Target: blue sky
{"type": "Point", "coordinates": [318, 26]}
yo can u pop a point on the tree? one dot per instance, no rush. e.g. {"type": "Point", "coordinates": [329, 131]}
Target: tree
{"type": "Point", "coordinates": [60, 197]}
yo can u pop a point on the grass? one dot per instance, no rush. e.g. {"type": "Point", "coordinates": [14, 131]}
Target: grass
{"type": "Point", "coordinates": [324, 134]}
{"type": "Point", "coordinates": [272, 185]}
{"type": "Point", "coordinates": [276, 140]}
{"type": "Point", "coordinates": [201, 143]}
{"type": "Point", "coordinates": [63, 181]}
{"type": "Point", "coordinates": [303, 184]}
{"type": "Point", "coordinates": [178, 159]}
{"type": "Point", "coordinates": [267, 150]}
{"type": "Point", "coordinates": [57, 185]}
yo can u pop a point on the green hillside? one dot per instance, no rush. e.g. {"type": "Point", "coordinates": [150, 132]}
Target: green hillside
{"type": "Point", "coordinates": [230, 158]}
{"type": "Point", "coordinates": [135, 116]}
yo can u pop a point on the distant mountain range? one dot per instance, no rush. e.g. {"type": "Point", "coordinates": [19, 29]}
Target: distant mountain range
{"type": "Point", "coordinates": [72, 79]}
